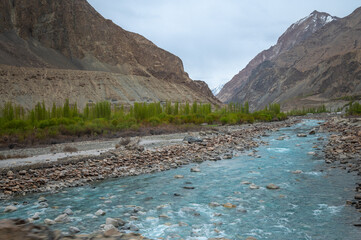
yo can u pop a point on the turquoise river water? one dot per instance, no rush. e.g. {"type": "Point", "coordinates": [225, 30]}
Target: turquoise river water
{"type": "Point", "coordinates": [308, 205]}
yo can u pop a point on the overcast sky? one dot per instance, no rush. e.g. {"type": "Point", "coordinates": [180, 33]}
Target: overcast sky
{"type": "Point", "coordinates": [215, 38]}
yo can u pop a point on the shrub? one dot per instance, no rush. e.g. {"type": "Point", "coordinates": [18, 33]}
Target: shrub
{"type": "Point", "coordinates": [154, 121]}
{"type": "Point", "coordinates": [16, 124]}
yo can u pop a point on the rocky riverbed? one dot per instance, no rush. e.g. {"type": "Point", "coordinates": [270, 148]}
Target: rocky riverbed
{"type": "Point", "coordinates": [132, 159]}
{"type": "Point", "coordinates": [344, 149]}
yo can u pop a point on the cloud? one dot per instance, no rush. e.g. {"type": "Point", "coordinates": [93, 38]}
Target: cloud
{"type": "Point", "coordinates": [214, 38]}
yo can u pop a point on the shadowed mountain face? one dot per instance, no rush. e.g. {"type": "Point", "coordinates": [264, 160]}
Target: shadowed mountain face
{"type": "Point", "coordinates": [311, 61]}
{"type": "Point", "coordinates": [325, 66]}
{"type": "Point", "coordinates": [70, 34]}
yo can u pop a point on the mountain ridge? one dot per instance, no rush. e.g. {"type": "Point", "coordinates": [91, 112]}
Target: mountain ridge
{"type": "Point", "coordinates": [325, 66]}
{"type": "Point", "coordinates": [295, 33]}
{"type": "Point", "coordinates": [72, 35]}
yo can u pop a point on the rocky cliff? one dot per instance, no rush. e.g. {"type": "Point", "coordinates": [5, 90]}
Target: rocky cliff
{"type": "Point", "coordinates": [295, 34]}
{"type": "Point", "coordinates": [70, 34]}
{"type": "Point", "coordinates": [317, 70]}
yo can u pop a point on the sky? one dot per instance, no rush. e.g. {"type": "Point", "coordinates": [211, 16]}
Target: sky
{"type": "Point", "coordinates": [215, 38]}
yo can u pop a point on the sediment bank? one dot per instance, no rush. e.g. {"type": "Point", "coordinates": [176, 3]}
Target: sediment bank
{"type": "Point", "coordinates": [217, 144]}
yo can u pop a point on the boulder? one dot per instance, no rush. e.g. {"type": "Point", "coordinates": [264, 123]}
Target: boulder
{"type": "Point", "coordinates": [36, 216]}
{"type": "Point", "coordinates": [108, 227]}
{"type": "Point", "coordinates": [74, 230]}
{"type": "Point", "coordinates": [116, 222]}
{"type": "Point", "coordinates": [10, 208]}
{"type": "Point", "coordinates": [48, 221]}
{"type": "Point", "coordinates": [68, 211]}
{"type": "Point", "coordinates": [62, 218]}
{"type": "Point", "coordinates": [100, 213]}
{"type": "Point", "coordinates": [195, 169]}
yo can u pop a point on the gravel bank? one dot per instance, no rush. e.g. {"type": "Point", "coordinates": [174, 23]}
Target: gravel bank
{"type": "Point", "coordinates": [156, 154]}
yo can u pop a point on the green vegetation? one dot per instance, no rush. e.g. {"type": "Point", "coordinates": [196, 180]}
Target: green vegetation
{"type": "Point", "coordinates": [349, 98]}
{"type": "Point", "coordinates": [304, 111]}
{"type": "Point", "coordinates": [102, 118]}
{"type": "Point", "coordinates": [354, 108]}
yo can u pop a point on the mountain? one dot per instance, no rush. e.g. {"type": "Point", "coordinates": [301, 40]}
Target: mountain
{"type": "Point", "coordinates": [217, 89]}
{"type": "Point", "coordinates": [295, 34]}
{"type": "Point", "coordinates": [64, 44]}
{"type": "Point", "coordinates": [317, 70]}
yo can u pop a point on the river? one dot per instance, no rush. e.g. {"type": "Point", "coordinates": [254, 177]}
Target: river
{"type": "Point", "coordinates": [310, 203]}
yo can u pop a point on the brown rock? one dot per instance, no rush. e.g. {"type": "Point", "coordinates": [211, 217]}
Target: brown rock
{"type": "Point", "coordinates": [72, 35]}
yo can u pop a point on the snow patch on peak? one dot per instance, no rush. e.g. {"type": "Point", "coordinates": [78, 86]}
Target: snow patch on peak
{"type": "Point", "coordinates": [217, 89]}
{"type": "Point", "coordinates": [329, 19]}
{"type": "Point", "coordinates": [299, 22]}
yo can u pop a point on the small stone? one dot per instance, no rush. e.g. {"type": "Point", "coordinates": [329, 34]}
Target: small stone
{"type": "Point", "coordinates": [195, 169]}
{"type": "Point", "coordinates": [10, 173]}
{"type": "Point", "coordinates": [100, 213]}
{"type": "Point", "coordinates": [49, 221]}
{"type": "Point", "coordinates": [312, 132]}
{"type": "Point", "coordinates": [272, 186]}
{"type": "Point", "coordinates": [178, 176]}
{"type": "Point", "coordinates": [62, 218]}
{"type": "Point", "coordinates": [253, 186]}
{"type": "Point", "coordinates": [163, 216]}
{"type": "Point", "coordinates": [240, 209]}
{"type": "Point", "coordinates": [68, 211]}
{"type": "Point", "coordinates": [188, 187]}
{"type": "Point", "coordinates": [311, 153]}
{"type": "Point", "coordinates": [229, 205]}
{"type": "Point", "coordinates": [358, 197]}
{"type": "Point", "coordinates": [43, 205]}
{"type": "Point", "coordinates": [42, 199]}
{"type": "Point", "coordinates": [214, 204]}
{"type": "Point", "coordinates": [301, 135]}
{"type": "Point", "coordinates": [36, 216]}
{"type": "Point", "coordinates": [22, 172]}
{"type": "Point", "coordinates": [246, 182]}
{"type": "Point", "coordinates": [10, 209]}
{"type": "Point", "coordinates": [297, 172]}
{"type": "Point", "coordinates": [74, 230]}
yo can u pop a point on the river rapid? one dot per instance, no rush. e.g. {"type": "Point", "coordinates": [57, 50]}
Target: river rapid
{"type": "Point", "coordinates": [227, 198]}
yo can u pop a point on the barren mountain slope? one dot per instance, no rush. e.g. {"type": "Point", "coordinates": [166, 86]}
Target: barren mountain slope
{"type": "Point", "coordinates": [295, 34]}
{"type": "Point", "coordinates": [70, 34]}
{"type": "Point", "coordinates": [325, 66]}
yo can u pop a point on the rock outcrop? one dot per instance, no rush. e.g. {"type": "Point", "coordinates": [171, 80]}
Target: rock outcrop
{"type": "Point", "coordinates": [71, 35]}
{"type": "Point", "coordinates": [314, 61]}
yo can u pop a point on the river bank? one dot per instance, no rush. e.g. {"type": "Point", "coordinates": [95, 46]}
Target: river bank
{"type": "Point", "coordinates": [344, 150]}
{"type": "Point", "coordinates": [222, 143]}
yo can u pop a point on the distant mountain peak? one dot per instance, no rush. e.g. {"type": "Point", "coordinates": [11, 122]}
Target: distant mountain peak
{"type": "Point", "coordinates": [306, 26]}
{"type": "Point", "coordinates": [295, 34]}
{"type": "Point", "coordinates": [217, 89]}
